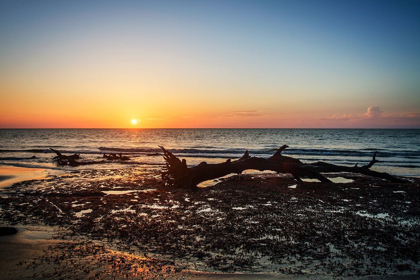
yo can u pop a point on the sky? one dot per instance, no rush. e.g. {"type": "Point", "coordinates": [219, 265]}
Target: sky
{"type": "Point", "coordinates": [210, 64]}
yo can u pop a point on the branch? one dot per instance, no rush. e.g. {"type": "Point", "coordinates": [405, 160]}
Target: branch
{"type": "Point", "coordinates": [372, 162]}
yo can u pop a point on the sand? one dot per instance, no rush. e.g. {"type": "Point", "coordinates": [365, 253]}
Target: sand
{"type": "Point", "coordinates": [29, 243]}
{"type": "Point", "coordinates": [126, 223]}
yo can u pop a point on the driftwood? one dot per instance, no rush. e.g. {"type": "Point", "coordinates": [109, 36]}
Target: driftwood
{"type": "Point", "coordinates": [178, 174]}
{"type": "Point", "coordinates": [65, 160]}
{"type": "Point", "coordinates": [114, 156]}
{"type": "Point", "coordinates": [71, 160]}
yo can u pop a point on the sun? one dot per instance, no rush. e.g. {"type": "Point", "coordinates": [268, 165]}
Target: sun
{"type": "Point", "coordinates": [133, 121]}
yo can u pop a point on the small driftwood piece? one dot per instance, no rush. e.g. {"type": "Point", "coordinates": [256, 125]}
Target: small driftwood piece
{"type": "Point", "coordinates": [71, 160]}
{"type": "Point", "coordinates": [114, 156]}
{"type": "Point", "coordinates": [178, 174]}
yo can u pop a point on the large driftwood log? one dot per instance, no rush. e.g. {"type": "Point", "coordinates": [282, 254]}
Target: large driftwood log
{"type": "Point", "coordinates": [178, 174]}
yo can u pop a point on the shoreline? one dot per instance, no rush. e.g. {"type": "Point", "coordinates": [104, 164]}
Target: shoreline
{"type": "Point", "coordinates": [33, 245]}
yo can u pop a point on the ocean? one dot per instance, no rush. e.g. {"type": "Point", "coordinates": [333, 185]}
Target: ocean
{"type": "Point", "coordinates": [397, 149]}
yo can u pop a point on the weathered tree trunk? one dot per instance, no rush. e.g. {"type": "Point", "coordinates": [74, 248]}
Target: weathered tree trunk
{"type": "Point", "coordinates": [178, 174]}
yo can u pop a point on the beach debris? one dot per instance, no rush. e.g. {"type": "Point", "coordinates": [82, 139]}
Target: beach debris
{"type": "Point", "coordinates": [178, 174]}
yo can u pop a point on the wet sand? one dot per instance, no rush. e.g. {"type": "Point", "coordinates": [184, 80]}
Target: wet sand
{"type": "Point", "coordinates": [35, 253]}
{"type": "Point", "coordinates": [30, 242]}
{"type": "Point", "coordinates": [10, 175]}
{"type": "Point", "coordinates": [248, 226]}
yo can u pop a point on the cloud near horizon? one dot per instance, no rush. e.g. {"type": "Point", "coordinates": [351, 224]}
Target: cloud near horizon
{"type": "Point", "coordinates": [241, 114]}
{"type": "Point", "coordinates": [374, 112]}
{"type": "Point", "coordinates": [374, 117]}
{"type": "Point", "coordinates": [344, 118]}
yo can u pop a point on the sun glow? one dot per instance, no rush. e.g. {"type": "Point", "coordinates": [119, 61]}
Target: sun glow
{"type": "Point", "coordinates": [133, 121]}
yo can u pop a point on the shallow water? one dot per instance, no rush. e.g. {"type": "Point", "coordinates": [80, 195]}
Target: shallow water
{"type": "Point", "coordinates": [126, 192]}
{"type": "Point", "coordinates": [10, 175]}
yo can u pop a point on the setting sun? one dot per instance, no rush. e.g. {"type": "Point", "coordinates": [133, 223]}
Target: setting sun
{"type": "Point", "coordinates": [133, 121]}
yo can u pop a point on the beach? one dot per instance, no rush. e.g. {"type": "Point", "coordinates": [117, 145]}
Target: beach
{"type": "Point", "coordinates": [121, 222]}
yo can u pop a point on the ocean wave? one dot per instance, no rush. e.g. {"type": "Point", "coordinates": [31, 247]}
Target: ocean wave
{"type": "Point", "coordinates": [130, 150]}
{"type": "Point", "coordinates": [23, 150]}
{"type": "Point", "coordinates": [18, 158]}
{"type": "Point", "coordinates": [230, 152]}
{"type": "Point", "coordinates": [304, 152]}
{"type": "Point", "coordinates": [31, 165]}
{"type": "Point", "coordinates": [48, 151]}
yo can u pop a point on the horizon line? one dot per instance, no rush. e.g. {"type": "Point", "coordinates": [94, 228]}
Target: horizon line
{"type": "Point", "coordinates": [155, 128]}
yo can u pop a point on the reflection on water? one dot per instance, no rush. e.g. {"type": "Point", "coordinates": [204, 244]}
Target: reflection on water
{"type": "Point", "coordinates": [211, 183]}
{"type": "Point", "coordinates": [377, 216]}
{"type": "Point", "coordinates": [126, 192]}
{"type": "Point", "coordinates": [83, 212]}
{"type": "Point", "coordinates": [341, 180]}
{"type": "Point", "coordinates": [10, 175]}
